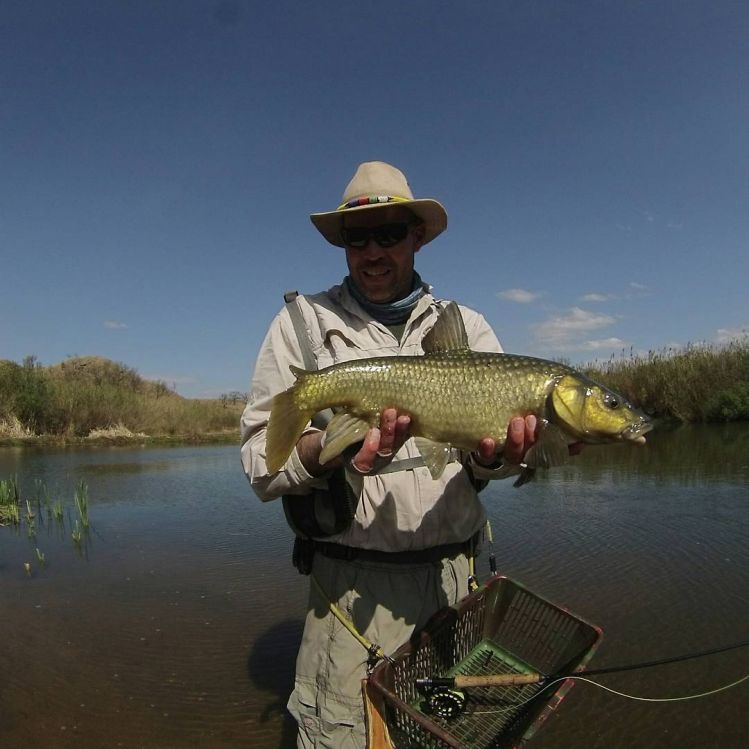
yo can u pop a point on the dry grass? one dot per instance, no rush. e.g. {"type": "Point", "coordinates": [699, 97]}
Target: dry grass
{"type": "Point", "coordinates": [117, 432]}
{"type": "Point", "coordinates": [12, 428]}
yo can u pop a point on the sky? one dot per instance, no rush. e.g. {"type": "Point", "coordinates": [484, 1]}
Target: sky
{"type": "Point", "coordinates": [159, 160]}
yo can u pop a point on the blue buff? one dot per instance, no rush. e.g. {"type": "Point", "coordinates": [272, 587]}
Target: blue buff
{"type": "Point", "coordinates": [391, 313]}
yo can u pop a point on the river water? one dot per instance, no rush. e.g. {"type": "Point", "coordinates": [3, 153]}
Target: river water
{"type": "Point", "coordinates": [174, 623]}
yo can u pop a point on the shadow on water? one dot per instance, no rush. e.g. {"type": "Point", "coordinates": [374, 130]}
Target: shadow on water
{"type": "Point", "coordinates": [270, 668]}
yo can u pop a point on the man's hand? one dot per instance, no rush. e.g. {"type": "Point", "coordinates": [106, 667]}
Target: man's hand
{"type": "Point", "coordinates": [383, 442]}
{"type": "Point", "coordinates": [522, 434]}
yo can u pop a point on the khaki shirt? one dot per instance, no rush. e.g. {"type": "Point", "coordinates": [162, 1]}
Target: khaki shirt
{"type": "Point", "coordinates": [398, 511]}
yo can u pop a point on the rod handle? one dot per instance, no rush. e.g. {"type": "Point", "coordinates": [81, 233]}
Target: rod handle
{"type": "Point", "coordinates": [497, 680]}
{"type": "Point", "coordinates": [489, 680]}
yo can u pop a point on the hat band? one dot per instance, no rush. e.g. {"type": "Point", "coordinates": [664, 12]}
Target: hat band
{"type": "Point", "coordinates": [372, 200]}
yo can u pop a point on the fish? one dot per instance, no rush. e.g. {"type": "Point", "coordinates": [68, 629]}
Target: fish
{"type": "Point", "coordinates": [455, 397]}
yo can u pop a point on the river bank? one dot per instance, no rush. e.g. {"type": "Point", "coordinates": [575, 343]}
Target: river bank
{"type": "Point", "coordinates": [225, 437]}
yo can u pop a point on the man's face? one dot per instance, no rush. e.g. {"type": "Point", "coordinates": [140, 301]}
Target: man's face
{"type": "Point", "coordinates": [383, 274]}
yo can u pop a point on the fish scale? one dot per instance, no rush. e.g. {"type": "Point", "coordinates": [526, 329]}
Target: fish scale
{"type": "Point", "coordinates": [446, 395]}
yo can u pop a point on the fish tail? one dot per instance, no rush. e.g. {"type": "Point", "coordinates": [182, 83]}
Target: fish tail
{"type": "Point", "coordinates": [285, 426]}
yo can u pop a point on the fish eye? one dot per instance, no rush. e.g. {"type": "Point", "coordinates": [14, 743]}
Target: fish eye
{"type": "Point", "coordinates": [611, 401]}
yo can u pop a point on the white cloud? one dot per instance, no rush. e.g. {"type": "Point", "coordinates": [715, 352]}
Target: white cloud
{"type": "Point", "coordinates": [638, 287]}
{"type": "Point", "coordinates": [566, 330]}
{"type": "Point", "coordinates": [521, 296]}
{"type": "Point", "coordinates": [607, 344]}
{"type": "Point", "coordinates": [596, 297]}
{"type": "Point", "coordinates": [726, 335]}
{"type": "Point", "coordinates": [115, 325]}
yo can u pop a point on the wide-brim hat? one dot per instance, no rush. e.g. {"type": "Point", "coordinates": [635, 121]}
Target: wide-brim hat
{"type": "Point", "coordinates": [376, 185]}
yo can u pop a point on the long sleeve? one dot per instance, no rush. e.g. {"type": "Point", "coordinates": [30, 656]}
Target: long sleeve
{"type": "Point", "coordinates": [272, 375]}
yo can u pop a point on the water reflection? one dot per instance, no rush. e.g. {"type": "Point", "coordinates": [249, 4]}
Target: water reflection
{"type": "Point", "coordinates": [136, 467]}
{"type": "Point", "coordinates": [680, 453]}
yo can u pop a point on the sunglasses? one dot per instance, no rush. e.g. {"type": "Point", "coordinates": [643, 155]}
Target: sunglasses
{"type": "Point", "coordinates": [386, 235]}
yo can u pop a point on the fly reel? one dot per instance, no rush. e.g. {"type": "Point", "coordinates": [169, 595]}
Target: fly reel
{"type": "Point", "coordinates": [446, 703]}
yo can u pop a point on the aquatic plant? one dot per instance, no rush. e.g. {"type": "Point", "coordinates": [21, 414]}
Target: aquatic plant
{"type": "Point", "coordinates": [10, 502]}
{"type": "Point", "coordinates": [41, 493]}
{"type": "Point", "coordinates": [81, 502]}
{"type": "Point", "coordinates": [28, 513]}
{"type": "Point", "coordinates": [57, 511]}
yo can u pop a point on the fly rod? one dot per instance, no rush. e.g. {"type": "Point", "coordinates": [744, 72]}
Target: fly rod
{"type": "Point", "coordinates": [461, 681]}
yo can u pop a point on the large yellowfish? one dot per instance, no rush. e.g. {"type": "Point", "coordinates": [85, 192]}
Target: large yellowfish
{"type": "Point", "coordinates": [455, 397]}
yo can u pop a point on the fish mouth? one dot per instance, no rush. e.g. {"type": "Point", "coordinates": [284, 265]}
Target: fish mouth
{"type": "Point", "coordinates": [636, 432]}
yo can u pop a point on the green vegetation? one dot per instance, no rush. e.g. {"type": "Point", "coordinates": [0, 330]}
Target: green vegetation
{"type": "Point", "coordinates": [95, 399]}
{"type": "Point", "coordinates": [697, 384]}
{"type": "Point", "coordinates": [81, 502]}
{"type": "Point", "coordinates": [25, 513]}
{"type": "Point", "coordinates": [10, 502]}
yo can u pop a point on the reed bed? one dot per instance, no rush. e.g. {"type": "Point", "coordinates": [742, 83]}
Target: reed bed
{"type": "Point", "coordinates": [10, 502]}
{"type": "Point", "coordinates": [698, 383]}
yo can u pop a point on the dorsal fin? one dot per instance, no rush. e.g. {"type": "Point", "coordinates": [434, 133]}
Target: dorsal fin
{"type": "Point", "coordinates": [448, 333]}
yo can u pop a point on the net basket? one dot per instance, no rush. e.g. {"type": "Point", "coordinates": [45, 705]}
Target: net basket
{"type": "Point", "coordinates": [502, 628]}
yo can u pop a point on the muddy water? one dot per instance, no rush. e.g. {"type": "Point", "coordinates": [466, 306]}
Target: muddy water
{"type": "Point", "coordinates": [175, 622]}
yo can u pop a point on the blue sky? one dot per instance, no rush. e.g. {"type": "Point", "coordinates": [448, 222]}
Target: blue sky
{"type": "Point", "coordinates": [159, 161]}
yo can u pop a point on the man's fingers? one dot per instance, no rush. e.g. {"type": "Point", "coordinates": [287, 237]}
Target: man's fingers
{"type": "Point", "coordinates": [487, 452]}
{"type": "Point", "coordinates": [402, 431]}
{"type": "Point", "coordinates": [530, 430]}
{"type": "Point", "coordinates": [388, 421]}
{"type": "Point", "coordinates": [515, 444]}
{"type": "Point", "coordinates": [394, 431]}
{"type": "Point", "coordinates": [521, 434]}
{"type": "Point", "coordinates": [364, 460]}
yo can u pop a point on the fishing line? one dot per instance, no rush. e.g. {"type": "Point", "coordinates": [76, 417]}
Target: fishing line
{"type": "Point", "coordinates": [684, 698]}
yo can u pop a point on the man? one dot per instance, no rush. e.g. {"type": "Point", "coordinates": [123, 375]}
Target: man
{"type": "Point", "coordinates": [405, 552]}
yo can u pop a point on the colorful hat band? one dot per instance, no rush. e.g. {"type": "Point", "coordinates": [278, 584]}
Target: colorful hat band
{"type": "Point", "coordinates": [371, 200]}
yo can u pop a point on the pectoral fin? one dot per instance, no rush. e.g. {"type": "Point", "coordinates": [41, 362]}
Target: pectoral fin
{"type": "Point", "coordinates": [436, 455]}
{"type": "Point", "coordinates": [551, 448]}
{"type": "Point", "coordinates": [343, 430]}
